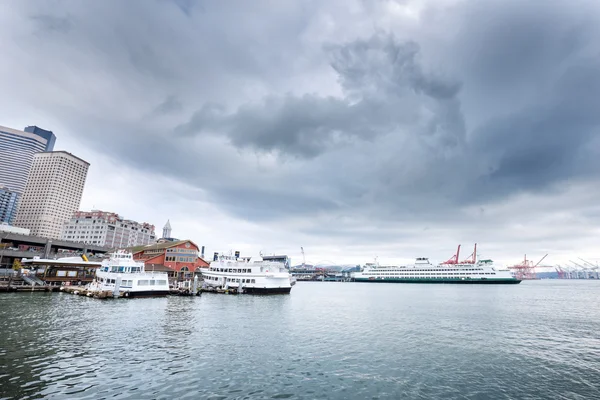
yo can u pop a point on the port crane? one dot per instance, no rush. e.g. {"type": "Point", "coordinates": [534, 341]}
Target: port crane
{"type": "Point", "coordinates": [526, 269]}
{"type": "Point", "coordinates": [454, 258]}
{"type": "Point", "coordinates": [472, 259]}
{"type": "Point", "coordinates": [593, 268]}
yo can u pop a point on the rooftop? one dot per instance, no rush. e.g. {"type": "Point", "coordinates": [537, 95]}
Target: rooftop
{"type": "Point", "coordinates": [159, 246]}
{"type": "Point", "coordinates": [63, 152]}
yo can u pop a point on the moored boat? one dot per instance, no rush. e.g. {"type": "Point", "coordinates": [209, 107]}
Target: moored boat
{"type": "Point", "coordinates": [123, 276]}
{"type": "Point", "coordinates": [247, 275]}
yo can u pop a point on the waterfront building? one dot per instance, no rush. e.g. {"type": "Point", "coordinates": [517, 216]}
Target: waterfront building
{"type": "Point", "coordinates": [9, 200]}
{"type": "Point", "coordinates": [107, 229]}
{"type": "Point", "coordinates": [52, 194]}
{"type": "Point", "coordinates": [17, 149]}
{"type": "Point", "coordinates": [181, 256]}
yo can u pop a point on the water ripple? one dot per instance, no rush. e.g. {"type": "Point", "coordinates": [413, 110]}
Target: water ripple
{"type": "Point", "coordinates": [325, 341]}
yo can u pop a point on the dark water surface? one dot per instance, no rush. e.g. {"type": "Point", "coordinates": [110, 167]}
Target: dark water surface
{"type": "Point", "coordinates": [324, 341]}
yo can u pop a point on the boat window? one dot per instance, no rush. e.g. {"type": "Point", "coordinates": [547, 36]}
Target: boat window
{"type": "Point", "coordinates": [143, 282]}
{"type": "Point", "coordinates": [153, 282]}
{"type": "Point", "coordinates": [161, 282]}
{"type": "Point", "coordinates": [253, 281]}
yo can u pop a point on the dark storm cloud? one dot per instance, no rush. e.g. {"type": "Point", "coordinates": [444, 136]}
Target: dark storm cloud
{"type": "Point", "coordinates": [186, 6]}
{"type": "Point", "coordinates": [51, 23]}
{"type": "Point", "coordinates": [170, 105]}
{"type": "Point", "coordinates": [385, 92]}
{"type": "Point", "coordinates": [504, 100]}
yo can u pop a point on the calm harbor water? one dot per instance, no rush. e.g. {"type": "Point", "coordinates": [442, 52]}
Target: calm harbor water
{"type": "Point", "coordinates": [324, 341]}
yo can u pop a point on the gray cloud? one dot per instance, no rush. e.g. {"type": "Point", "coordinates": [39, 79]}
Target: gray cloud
{"type": "Point", "coordinates": [385, 92]}
{"type": "Point", "coordinates": [170, 105]}
{"type": "Point", "coordinates": [50, 23]}
{"type": "Point", "coordinates": [358, 123]}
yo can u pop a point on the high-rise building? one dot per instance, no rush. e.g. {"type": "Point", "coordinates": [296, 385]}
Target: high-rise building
{"type": "Point", "coordinates": [108, 229]}
{"type": "Point", "coordinates": [16, 153]}
{"type": "Point", "coordinates": [9, 200]}
{"type": "Point", "coordinates": [53, 193]}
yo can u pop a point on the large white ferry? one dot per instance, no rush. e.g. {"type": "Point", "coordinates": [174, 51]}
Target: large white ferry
{"type": "Point", "coordinates": [247, 275]}
{"type": "Point", "coordinates": [121, 274]}
{"type": "Point", "coordinates": [451, 271]}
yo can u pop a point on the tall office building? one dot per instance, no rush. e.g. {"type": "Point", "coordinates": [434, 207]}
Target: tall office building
{"type": "Point", "coordinates": [108, 229]}
{"type": "Point", "coordinates": [53, 193]}
{"type": "Point", "coordinates": [16, 154]}
{"type": "Point", "coordinates": [9, 200]}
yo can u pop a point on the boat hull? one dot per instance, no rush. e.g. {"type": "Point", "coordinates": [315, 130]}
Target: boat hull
{"type": "Point", "coordinates": [254, 290]}
{"type": "Point", "coordinates": [147, 293]}
{"type": "Point", "coordinates": [488, 281]}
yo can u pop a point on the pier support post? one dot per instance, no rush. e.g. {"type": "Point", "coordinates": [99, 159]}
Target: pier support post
{"type": "Point", "coordinates": [47, 249]}
{"type": "Point", "coordinates": [117, 287]}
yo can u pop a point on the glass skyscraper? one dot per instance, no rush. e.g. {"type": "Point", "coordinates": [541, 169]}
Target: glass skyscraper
{"type": "Point", "coordinates": [9, 200]}
{"type": "Point", "coordinates": [16, 154]}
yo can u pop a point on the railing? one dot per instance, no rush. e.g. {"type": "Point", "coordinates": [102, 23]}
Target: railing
{"type": "Point", "coordinates": [32, 280]}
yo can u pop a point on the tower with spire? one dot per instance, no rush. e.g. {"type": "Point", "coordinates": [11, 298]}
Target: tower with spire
{"type": "Point", "coordinates": [167, 230]}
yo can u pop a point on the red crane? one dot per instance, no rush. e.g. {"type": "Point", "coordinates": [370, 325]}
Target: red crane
{"type": "Point", "coordinates": [472, 259]}
{"type": "Point", "coordinates": [454, 258]}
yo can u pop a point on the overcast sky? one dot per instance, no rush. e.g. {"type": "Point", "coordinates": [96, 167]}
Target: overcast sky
{"type": "Point", "coordinates": [352, 128]}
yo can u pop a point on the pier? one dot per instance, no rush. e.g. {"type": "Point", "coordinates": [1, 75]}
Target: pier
{"type": "Point", "coordinates": [107, 294]}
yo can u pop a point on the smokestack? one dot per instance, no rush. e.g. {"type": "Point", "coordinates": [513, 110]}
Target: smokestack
{"type": "Point", "coordinates": [237, 255]}
{"type": "Point", "coordinates": [202, 253]}
{"type": "Point", "coordinates": [215, 256]}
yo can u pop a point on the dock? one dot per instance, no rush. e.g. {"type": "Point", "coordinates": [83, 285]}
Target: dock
{"type": "Point", "coordinates": [108, 294]}
{"type": "Point", "coordinates": [219, 291]}
{"type": "Point", "coordinates": [20, 285]}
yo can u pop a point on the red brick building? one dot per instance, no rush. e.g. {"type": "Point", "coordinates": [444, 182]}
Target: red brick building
{"type": "Point", "coordinates": [180, 257]}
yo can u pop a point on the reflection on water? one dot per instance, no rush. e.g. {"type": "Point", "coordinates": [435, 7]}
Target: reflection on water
{"type": "Point", "coordinates": [325, 340]}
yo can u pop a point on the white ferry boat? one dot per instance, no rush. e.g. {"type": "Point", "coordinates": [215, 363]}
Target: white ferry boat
{"type": "Point", "coordinates": [247, 275]}
{"type": "Point", "coordinates": [452, 271]}
{"type": "Point", "coordinates": [121, 273]}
